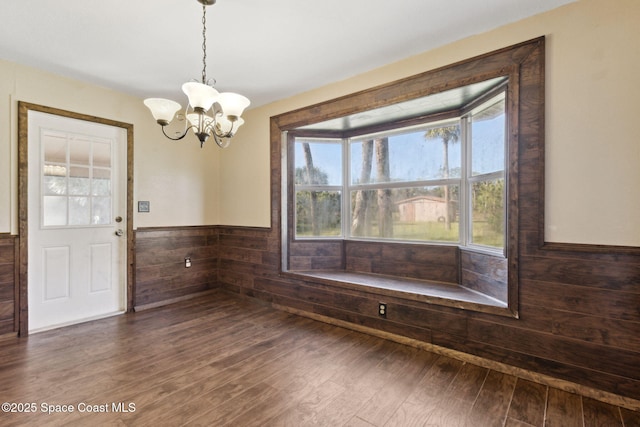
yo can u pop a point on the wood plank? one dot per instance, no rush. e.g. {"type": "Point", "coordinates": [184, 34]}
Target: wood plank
{"type": "Point", "coordinates": [528, 403]}
{"type": "Point", "coordinates": [490, 409]}
{"type": "Point", "coordinates": [630, 418]}
{"type": "Point", "coordinates": [563, 409]}
{"type": "Point", "coordinates": [600, 414]}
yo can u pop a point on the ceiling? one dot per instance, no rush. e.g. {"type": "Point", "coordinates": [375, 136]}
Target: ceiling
{"type": "Point", "coordinates": [265, 50]}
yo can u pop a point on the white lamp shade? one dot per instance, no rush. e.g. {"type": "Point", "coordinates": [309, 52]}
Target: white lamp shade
{"type": "Point", "coordinates": [200, 95]}
{"type": "Point", "coordinates": [224, 125]}
{"type": "Point", "coordinates": [162, 110]}
{"type": "Point", "coordinates": [232, 104]}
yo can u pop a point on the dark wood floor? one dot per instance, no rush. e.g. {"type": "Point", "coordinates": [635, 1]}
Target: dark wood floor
{"type": "Point", "coordinates": [225, 360]}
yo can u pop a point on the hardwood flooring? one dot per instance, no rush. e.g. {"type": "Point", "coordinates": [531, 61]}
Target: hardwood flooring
{"type": "Point", "coordinates": [226, 360]}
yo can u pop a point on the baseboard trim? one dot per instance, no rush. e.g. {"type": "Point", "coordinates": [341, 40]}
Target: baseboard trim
{"type": "Point", "coordinates": [173, 300]}
{"type": "Point", "coordinates": [8, 336]}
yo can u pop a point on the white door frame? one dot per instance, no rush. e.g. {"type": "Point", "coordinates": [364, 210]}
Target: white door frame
{"type": "Point", "coordinates": [23, 140]}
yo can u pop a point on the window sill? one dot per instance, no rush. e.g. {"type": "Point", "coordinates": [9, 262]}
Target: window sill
{"type": "Point", "coordinates": [429, 292]}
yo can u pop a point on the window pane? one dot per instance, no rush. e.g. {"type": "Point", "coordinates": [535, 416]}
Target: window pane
{"type": "Point", "coordinates": [318, 163]}
{"type": "Point", "coordinates": [318, 213]}
{"type": "Point", "coordinates": [488, 213]}
{"type": "Point", "coordinates": [54, 210]}
{"type": "Point", "coordinates": [415, 155]}
{"type": "Point", "coordinates": [416, 213]}
{"type": "Point", "coordinates": [79, 211]}
{"type": "Point", "coordinates": [488, 139]}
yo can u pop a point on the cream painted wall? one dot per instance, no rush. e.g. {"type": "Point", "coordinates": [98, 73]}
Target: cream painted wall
{"type": "Point", "coordinates": [592, 138]}
{"type": "Point", "coordinates": [179, 179]}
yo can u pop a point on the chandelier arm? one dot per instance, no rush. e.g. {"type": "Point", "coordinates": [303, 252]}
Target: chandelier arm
{"type": "Point", "coordinates": [228, 134]}
{"type": "Point", "coordinates": [172, 138]}
{"type": "Point", "coordinates": [221, 141]}
{"type": "Point", "coordinates": [211, 128]}
{"type": "Point", "coordinates": [179, 137]}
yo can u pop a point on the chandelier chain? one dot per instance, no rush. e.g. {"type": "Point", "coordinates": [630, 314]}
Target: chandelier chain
{"type": "Point", "coordinates": [204, 44]}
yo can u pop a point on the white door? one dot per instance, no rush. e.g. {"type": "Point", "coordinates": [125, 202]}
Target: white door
{"type": "Point", "coordinates": [76, 220]}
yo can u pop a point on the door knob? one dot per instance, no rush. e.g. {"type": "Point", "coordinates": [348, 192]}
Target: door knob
{"type": "Point", "coordinates": [119, 232]}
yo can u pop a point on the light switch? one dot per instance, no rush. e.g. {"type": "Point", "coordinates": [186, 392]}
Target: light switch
{"type": "Point", "coordinates": [143, 206]}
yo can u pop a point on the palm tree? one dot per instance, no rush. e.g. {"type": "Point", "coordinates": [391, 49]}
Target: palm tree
{"type": "Point", "coordinates": [447, 134]}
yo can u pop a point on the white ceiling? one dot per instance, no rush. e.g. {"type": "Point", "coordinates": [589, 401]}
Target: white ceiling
{"type": "Point", "coordinates": [265, 50]}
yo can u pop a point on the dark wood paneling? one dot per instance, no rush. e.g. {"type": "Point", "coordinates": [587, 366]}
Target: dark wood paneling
{"type": "Point", "coordinates": [404, 260]}
{"type": "Point", "coordinates": [314, 255]}
{"type": "Point", "coordinates": [160, 271]}
{"type": "Point", "coordinates": [484, 273]}
{"type": "Point", "coordinates": [7, 283]}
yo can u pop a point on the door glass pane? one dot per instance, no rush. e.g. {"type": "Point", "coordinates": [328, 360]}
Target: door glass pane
{"type": "Point", "coordinates": [55, 148]}
{"type": "Point", "coordinates": [415, 213]}
{"type": "Point", "coordinates": [54, 184]}
{"type": "Point", "coordinates": [54, 209]}
{"type": "Point", "coordinates": [79, 211]}
{"type": "Point", "coordinates": [101, 183]}
{"type": "Point", "coordinates": [79, 151]}
{"type": "Point", "coordinates": [102, 154]}
{"type": "Point", "coordinates": [101, 210]}
{"type": "Point", "coordinates": [79, 183]}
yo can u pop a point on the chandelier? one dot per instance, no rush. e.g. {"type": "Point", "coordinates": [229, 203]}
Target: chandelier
{"type": "Point", "coordinates": [208, 113]}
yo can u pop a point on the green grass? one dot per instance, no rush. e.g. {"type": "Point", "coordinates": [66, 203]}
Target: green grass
{"type": "Point", "coordinates": [430, 231]}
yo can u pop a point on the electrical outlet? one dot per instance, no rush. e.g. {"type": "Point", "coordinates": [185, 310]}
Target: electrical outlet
{"type": "Point", "coordinates": [382, 309]}
{"type": "Point", "coordinates": [187, 262]}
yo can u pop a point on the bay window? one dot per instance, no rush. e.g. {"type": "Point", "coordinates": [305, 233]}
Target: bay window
{"type": "Point", "coordinates": [439, 181]}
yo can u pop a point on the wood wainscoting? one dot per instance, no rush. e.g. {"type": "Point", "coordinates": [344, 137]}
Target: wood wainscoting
{"type": "Point", "coordinates": [8, 284]}
{"type": "Point", "coordinates": [161, 276]}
